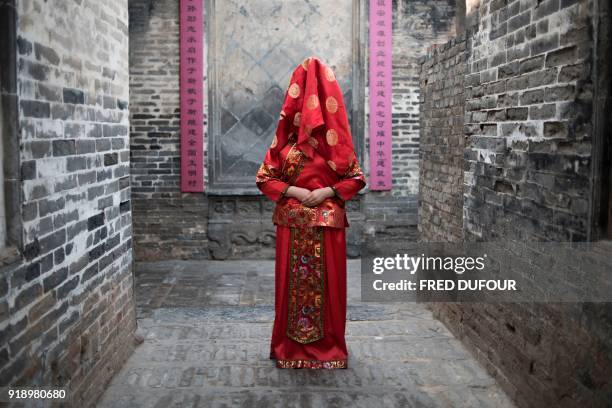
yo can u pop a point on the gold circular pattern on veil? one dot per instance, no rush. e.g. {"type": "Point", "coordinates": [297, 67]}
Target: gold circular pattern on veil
{"type": "Point", "coordinates": [332, 137]}
{"type": "Point", "coordinates": [274, 142]}
{"type": "Point", "coordinates": [296, 119]}
{"type": "Point", "coordinates": [305, 64]}
{"type": "Point", "coordinates": [332, 165]}
{"type": "Point", "coordinates": [329, 74]}
{"type": "Point", "coordinates": [313, 142]}
{"type": "Point", "coordinates": [331, 104]}
{"type": "Point", "coordinates": [313, 102]}
{"type": "Point", "coordinates": [294, 90]}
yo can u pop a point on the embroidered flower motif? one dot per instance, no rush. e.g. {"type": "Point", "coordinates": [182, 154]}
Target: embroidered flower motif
{"type": "Point", "coordinates": [306, 285]}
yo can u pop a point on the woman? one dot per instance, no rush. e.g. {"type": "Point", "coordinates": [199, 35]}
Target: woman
{"type": "Point", "coordinates": [310, 170]}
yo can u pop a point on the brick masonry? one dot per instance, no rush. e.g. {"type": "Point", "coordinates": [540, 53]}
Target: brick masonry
{"type": "Point", "coordinates": [417, 24]}
{"type": "Point", "coordinates": [167, 223]}
{"type": "Point", "coordinates": [67, 303]}
{"type": "Point", "coordinates": [442, 142]}
{"type": "Point", "coordinates": [528, 175]}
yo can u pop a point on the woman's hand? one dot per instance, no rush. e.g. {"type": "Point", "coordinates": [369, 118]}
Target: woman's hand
{"type": "Point", "coordinates": [297, 192]}
{"type": "Point", "coordinates": [316, 197]}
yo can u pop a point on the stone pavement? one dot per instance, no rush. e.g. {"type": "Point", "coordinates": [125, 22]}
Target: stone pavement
{"type": "Point", "coordinates": [207, 325]}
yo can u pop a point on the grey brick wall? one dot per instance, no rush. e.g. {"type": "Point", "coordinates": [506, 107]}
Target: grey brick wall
{"type": "Point", "coordinates": [442, 142]}
{"type": "Point", "coordinates": [167, 223]}
{"type": "Point", "coordinates": [417, 24]}
{"type": "Point", "coordinates": [67, 305]}
{"type": "Point", "coordinates": [528, 176]}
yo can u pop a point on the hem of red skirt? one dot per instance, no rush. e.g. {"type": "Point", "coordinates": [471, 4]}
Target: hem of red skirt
{"type": "Point", "coordinates": [312, 364]}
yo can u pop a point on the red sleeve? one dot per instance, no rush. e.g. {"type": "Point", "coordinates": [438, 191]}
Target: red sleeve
{"type": "Point", "coordinates": [351, 183]}
{"type": "Point", "coordinates": [269, 183]}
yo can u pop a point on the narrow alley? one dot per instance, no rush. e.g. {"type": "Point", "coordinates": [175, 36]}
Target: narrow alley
{"type": "Point", "coordinates": [207, 326]}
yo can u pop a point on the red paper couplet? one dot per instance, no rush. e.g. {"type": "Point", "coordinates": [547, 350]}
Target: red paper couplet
{"type": "Point", "coordinates": [192, 95]}
{"type": "Point", "coordinates": [380, 94]}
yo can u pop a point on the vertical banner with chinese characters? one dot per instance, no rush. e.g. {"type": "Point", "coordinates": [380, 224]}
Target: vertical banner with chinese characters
{"type": "Point", "coordinates": [192, 95]}
{"type": "Point", "coordinates": [380, 94]}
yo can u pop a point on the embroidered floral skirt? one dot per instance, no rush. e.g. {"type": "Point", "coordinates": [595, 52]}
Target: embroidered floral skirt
{"type": "Point", "coordinates": [310, 298]}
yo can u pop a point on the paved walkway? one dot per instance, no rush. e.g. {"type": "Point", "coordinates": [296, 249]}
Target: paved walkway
{"type": "Point", "coordinates": [207, 326]}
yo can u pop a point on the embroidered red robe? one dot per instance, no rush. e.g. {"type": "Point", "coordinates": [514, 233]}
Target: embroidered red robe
{"type": "Point", "coordinates": [312, 148]}
{"type": "Point", "coordinates": [310, 274]}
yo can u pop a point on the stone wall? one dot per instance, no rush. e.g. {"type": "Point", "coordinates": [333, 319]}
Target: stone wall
{"type": "Point", "coordinates": [530, 175]}
{"type": "Point", "coordinates": [67, 302]}
{"type": "Point", "coordinates": [442, 142]}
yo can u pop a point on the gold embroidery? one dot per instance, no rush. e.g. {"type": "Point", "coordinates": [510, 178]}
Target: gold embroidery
{"type": "Point", "coordinates": [330, 213]}
{"type": "Point", "coordinates": [331, 104]}
{"type": "Point", "coordinates": [305, 64]}
{"type": "Point", "coordinates": [354, 171]}
{"type": "Point", "coordinates": [313, 364]}
{"type": "Point", "coordinates": [312, 102]}
{"type": "Point", "coordinates": [306, 285]}
{"type": "Point", "coordinates": [332, 137]}
{"type": "Point", "coordinates": [294, 162]}
{"type": "Point", "coordinates": [266, 172]}
{"type": "Point", "coordinates": [313, 142]}
{"type": "Point", "coordinates": [294, 90]}
{"type": "Point", "coordinates": [329, 74]}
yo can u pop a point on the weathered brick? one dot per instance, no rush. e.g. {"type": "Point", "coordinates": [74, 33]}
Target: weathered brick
{"type": "Point", "coordinates": [27, 296]}
{"type": "Point", "coordinates": [35, 109]}
{"type": "Point", "coordinates": [519, 21]}
{"type": "Point", "coordinates": [516, 113]}
{"type": "Point", "coordinates": [559, 93]}
{"type": "Point", "coordinates": [47, 54]}
{"type": "Point", "coordinates": [545, 8]}
{"type": "Point", "coordinates": [531, 64]}
{"type": "Point", "coordinates": [564, 56]}
{"type": "Point", "coordinates": [572, 72]}
{"type": "Point", "coordinates": [555, 129]}
{"type": "Point", "coordinates": [74, 96]}
{"type": "Point", "coordinates": [544, 43]}
{"type": "Point", "coordinates": [63, 147]}
{"type": "Point", "coordinates": [542, 112]}
{"type": "Point", "coordinates": [532, 97]}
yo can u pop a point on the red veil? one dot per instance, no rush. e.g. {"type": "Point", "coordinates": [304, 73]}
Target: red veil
{"type": "Point", "coordinates": [314, 110]}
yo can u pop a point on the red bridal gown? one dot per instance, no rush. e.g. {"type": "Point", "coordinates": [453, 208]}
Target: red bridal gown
{"type": "Point", "coordinates": [310, 271]}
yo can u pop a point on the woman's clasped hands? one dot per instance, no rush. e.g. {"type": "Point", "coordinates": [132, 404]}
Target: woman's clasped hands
{"type": "Point", "coordinates": [310, 198]}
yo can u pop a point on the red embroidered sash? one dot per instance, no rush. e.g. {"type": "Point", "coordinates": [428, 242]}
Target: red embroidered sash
{"type": "Point", "coordinates": [306, 285]}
